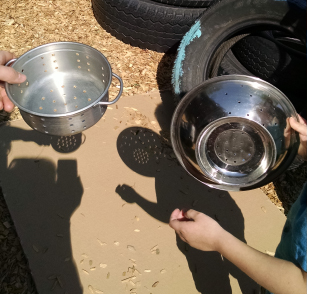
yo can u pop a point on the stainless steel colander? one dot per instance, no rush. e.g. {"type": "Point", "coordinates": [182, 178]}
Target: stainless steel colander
{"type": "Point", "coordinates": [66, 90]}
{"type": "Point", "coordinates": [231, 132]}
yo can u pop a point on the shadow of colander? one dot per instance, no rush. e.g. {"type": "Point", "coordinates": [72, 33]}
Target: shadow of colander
{"type": "Point", "coordinates": [142, 150]}
{"type": "Point", "coordinates": [67, 144]}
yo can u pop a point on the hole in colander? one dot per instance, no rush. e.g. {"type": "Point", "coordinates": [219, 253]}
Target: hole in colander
{"type": "Point", "coordinates": [55, 110]}
{"type": "Point", "coordinates": [41, 108]}
{"type": "Point", "coordinates": [89, 99]}
{"type": "Point", "coordinates": [275, 123]}
{"type": "Point", "coordinates": [70, 118]}
{"type": "Point", "coordinates": [72, 131]}
{"type": "Point", "coordinates": [21, 91]}
{"type": "Point", "coordinates": [82, 114]}
{"type": "Point", "coordinates": [42, 119]}
{"type": "Point", "coordinates": [226, 94]}
{"type": "Point", "coordinates": [45, 71]}
{"type": "Point", "coordinates": [83, 120]}
{"type": "Point", "coordinates": [84, 91]}
{"type": "Point", "coordinates": [74, 86]}
{"type": "Point", "coordinates": [238, 102]}
{"type": "Point", "coordinates": [71, 124]}
{"type": "Point", "coordinates": [84, 126]}
{"type": "Point", "coordinates": [229, 112]}
{"type": "Point", "coordinates": [42, 58]}
{"type": "Point", "coordinates": [77, 54]}
{"type": "Point", "coordinates": [54, 61]}
{"type": "Point", "coordinates": [22, 70]}
{"type": "Point", "coordinates": [53, 54]}
{"type": "Point", "coordinates": [247, 114]}
{"type": "Point", "coordinates": [78, 61]}
{"type": "Point", "coordinates": [44, 125]}
{"type": "Point", "coordinates": [79, 67]}
{"type": "Point", "coordinates": [88, 64]}
{"type": "Point", "coordinates": [88, 70]}
{"type": "Point", "coordinates": [234, 161]}
{"type": "Point", "coordinates": [87, 57]}
{"type": "Point", "coordinates": [51, 90]}
{"type": "Point", "coordinates": [250, 95]}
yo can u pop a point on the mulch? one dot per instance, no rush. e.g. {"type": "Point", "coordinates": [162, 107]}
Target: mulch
{"type": "Point", "coordinates": [26, 24]}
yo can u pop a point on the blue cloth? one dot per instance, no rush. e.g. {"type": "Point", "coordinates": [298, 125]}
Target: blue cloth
{"type": "Point", "coordinates": [293, 244]}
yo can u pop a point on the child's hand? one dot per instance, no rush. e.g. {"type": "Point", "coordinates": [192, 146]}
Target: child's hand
{"type": "Point", "coordinates": [301, 128]}
{"type": "Point", "coordinates": [9, 75]}
{"type": "Point", "coordinates": [197, 229]}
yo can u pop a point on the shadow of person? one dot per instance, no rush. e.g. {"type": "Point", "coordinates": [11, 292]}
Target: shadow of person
{"type": "Point", "coordinates": [41, 197]}
{"type": "Point", "coordinates": [149, 154]}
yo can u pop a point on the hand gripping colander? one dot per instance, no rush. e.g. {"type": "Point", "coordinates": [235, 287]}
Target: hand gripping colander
{"type": "Point", "coordinates": [66, 90]}
{"type": "Point", "coordinates": [231, 132]}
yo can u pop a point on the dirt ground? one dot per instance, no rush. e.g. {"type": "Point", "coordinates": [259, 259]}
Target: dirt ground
{"type": "Point", "coordinates": [25, 24]}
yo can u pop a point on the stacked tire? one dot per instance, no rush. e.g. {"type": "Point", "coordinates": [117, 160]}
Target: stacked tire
{"type": "Point", "coordinates": [156, 25]}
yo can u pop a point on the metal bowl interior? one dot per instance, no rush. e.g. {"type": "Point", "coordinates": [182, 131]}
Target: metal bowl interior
{"type": "Point", "coordinates": [63, 78]}
{"type": "Point", "coordinates": [235, 103]}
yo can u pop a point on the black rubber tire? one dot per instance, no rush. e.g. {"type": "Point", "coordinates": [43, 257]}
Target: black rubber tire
{"type": "Point", "coordinates": [262, 57]}
{"type": "Point", "coordinates": [219, 23]}
{"type": "Point", "coordinates": [268, 61]}
{"type": "Point", "coordinates": [145, 23]}
{"type": "Point", "coordinates": [187, 3]}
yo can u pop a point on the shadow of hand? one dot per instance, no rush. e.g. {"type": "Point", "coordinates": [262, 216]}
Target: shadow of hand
{"type": "Point", "coordinates": [127, 193]}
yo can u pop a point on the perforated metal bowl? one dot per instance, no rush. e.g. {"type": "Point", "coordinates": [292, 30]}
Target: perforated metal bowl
{"type": "Point", "coordinates": [231, 132]}
{"type": "Point", "coordinates": [66, 90]}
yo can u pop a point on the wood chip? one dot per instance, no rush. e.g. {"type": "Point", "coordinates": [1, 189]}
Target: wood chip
{"type": "Point", "coordinates": [35, 248]}
{"type": "Point", "coordinates": [128, 279]}
{"type": "Point", "coordinates": [131, 248]}
{"type": "Point", "coordinates": [91, 289]}
{"type": "Point", "coordinates": [155, 284]}
{"type": "Point", "coordinates": [54, 285]}
{"type": "Point", "coordinates": [101, 243]}
{"type": "Point", "coordinates": [270, 253]}
{"type": "Point", "coordinates": [7, 224]}
{"type": "Point", "coordinates": [154, 248]}
{"type": "Point", "coordinates": [59, 281]}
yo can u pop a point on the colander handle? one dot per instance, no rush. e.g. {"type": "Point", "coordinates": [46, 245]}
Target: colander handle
{"type": "Point", "coordinates": [10, 62]}
{"type": "Point", "coordinates": [119, 94]}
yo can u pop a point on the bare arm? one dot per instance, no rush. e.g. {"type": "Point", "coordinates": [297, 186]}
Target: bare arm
{"type": "Point", "coordinates": [276, 275]}
{"type": "Point", "coordinates": [204, 233]}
